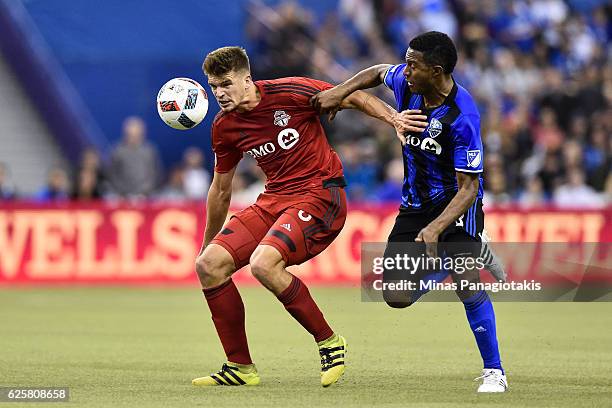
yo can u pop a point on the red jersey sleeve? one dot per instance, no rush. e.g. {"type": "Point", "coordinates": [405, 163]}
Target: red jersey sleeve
{"type": "Point", "coordinates": [226, 155]}
{"type": "Point", "coordinates": [306, 88]}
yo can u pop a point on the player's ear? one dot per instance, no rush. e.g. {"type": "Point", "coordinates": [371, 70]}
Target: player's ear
{"type": "Point", "coordinates": [437, 70]}
{"type": "Point", "coordinates": [248, 81]}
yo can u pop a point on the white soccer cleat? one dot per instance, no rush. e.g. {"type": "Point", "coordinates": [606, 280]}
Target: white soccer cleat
{"type": "Point", "coordinates": [492, 263]}
{"type": "Point", "coordinates": [493, 380]}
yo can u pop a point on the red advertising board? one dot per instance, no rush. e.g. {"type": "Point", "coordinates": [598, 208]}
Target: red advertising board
{"type": "Point", "coordinates": [151, 243]}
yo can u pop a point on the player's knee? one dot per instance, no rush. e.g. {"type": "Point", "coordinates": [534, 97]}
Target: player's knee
{"type": "Point", "coordinates": [212, 266]}
{"type": "Point", "coordinates": [261, 267]}
{"type": "Point", "coordinates": [464, 294]}
{"type": "Point", "coordinates": [205, 267]}
{"type": "Point", "coordinates": [201, 265]}
{"type": "Point", "coordinates": [466, 283]}
{"type": "Point", "coordinates": [397, 304]}
{"type": "Point", "coordinates": [263, 264]}
{"type": "Point", "coordinates": [397, 300]}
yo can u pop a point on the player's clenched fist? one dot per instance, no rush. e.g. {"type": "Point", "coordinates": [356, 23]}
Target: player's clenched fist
{"type": "Point", "coordinates": [328, 101]}
{"type": "Point", "coordinates": [408, 121]}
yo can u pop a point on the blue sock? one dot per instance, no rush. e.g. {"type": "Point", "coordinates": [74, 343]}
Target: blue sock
{"type": "Point", "coordinates": [432, 277]}
{"type": "Point", "coordinates": [480, 315]}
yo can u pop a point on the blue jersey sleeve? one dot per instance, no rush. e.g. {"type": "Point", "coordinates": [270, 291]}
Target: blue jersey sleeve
{"type": "Point", "coordinates": [395, 81]}
{"type": "Point", "coordinates": [468, 154]}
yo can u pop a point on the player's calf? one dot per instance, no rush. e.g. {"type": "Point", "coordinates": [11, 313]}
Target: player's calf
{"type": "Point", "coordinates": [464, 282]}
{"type": "Point", "coordinates": [214, 265]}
{"type": "Point", "coordinates": [268, 266]}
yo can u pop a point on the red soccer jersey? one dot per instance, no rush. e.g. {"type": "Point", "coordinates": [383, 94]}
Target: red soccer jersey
{"type": "Point", "coordinates": [283, 133]}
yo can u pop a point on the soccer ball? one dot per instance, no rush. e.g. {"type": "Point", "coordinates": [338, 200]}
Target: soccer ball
{"type": "Point", "coordinates": [182, 103]}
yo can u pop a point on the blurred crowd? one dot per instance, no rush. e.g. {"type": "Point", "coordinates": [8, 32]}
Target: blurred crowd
{"type": "Point", "coordinates": [539, 69]}
{"type": "Point", "coordinates": [134, 172]}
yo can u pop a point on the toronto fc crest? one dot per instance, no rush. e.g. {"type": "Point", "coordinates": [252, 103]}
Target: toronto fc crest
{"type": "Point", "coordinates": [281, 118]}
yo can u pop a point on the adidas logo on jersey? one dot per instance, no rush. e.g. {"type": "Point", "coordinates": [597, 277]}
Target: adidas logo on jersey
{"type": "Point", "coordinates": [480, 329]}
{"type": "Point", "coordinates": [286, 226]}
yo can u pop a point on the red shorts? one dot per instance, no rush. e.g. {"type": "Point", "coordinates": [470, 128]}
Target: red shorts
{"type": "Point", "coordinates": [299, 226]}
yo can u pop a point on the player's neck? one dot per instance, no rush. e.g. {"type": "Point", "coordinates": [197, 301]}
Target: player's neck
{"type": "Point", "coordinates": [250, 100]}
{"type": "Point", "coordinates": [439, 92]}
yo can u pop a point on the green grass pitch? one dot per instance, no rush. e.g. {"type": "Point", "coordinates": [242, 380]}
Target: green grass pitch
{"type": "Point", "coordinates": [125, 347]}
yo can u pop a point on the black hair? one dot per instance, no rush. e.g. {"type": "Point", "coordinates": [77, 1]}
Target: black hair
{"type": "Point", "coordinates": [437, 49]}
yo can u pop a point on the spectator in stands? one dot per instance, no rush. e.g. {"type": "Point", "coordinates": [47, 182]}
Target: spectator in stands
{"type": "Point", "coordinates": [57, 188]}
{"type": "Point", "coordinates": [575, 193]}
{"type": "Point", "coordinates": [174, 189]}
{"type": "Point", "coordinates": [135, 167]}
{"type": "Point", "coordinates": [597, 160]}
{"type": "Point", "coordinates": [196, 179]}
{"type": "Point", "coordinates": [86, 186]}
{"type": "Point", "coordinates": [7, 189]}
{"type": "Point", "coordinates": [239, 196]}
{"type": "Point", "coordinates": [495, 193]}
{"type": "Point", "coordinates": [360, 171]}
{"type": "Point", "coordinates": [547, 133]}
{"type": "Point", "coordinates": [495, 181]}
{"type": "Point", "coordinates": [572, 154]}
{"type": "Point", "coordinates": [90, 179]}
{"type": "Point", "coordinates": [288, 24]}
{"type": "Point", "coordinates": [249, 169]}
{"type": "Point", "coordinates": [533, 195]}
{"type": "Point", "coordinates": [245, 193]}
{"type": "Point", "coordinates": [550, 173]}
{"type": "Point", "coordinates": [391, 189]}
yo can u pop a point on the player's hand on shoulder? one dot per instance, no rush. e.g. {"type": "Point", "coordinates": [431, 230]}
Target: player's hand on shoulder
{"type": "Point", "coordinates": [328, 101]}
{"type": "Point", "coordinates": [410, 120]}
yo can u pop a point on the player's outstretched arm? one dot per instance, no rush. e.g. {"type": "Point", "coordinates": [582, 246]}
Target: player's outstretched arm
{"type": "Point", "coordinates": [329, 101]}
{"type": "Point", "coordinates": [407, 121]}
{"type": "Point", "coordinates": [217, 204]}
{"type": "Point", "coordinates": [370, 105]}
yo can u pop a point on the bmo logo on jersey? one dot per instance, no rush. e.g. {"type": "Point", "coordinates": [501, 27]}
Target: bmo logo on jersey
{"type": "Point", "coordinates": [427, 144]}
{"type": "Point", "coordinates": [286, 138]}
{"type": "Point", "coordinates": [262, 150]}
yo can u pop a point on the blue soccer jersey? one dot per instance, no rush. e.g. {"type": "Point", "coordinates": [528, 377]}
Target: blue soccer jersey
{"type": "Point", "coordinates": [451, 143]}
